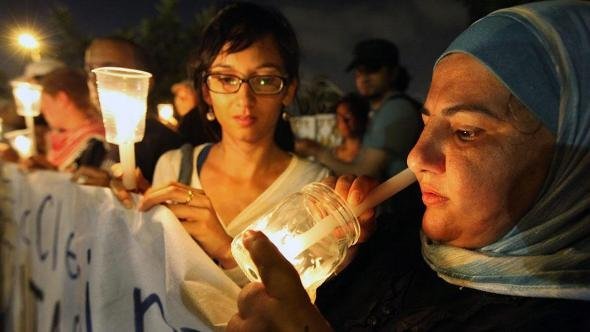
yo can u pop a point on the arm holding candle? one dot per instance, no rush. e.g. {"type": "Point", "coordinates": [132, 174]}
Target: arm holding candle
{"type": "Point", "coordinates": [280, 303]}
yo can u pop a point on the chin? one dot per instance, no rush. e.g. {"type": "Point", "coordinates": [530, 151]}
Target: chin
{"type": "Point", "coordinates": [436, 228]}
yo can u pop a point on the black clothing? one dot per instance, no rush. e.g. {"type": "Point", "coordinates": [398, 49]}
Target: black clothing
{"type": "Point", "coordinates": [94, 154]}
{"type": "Point", "coordinates": [193, 129]}
{"type": "Point", "coordinates": [389, 287]}
{"type": "Point", "coordinates": [157, 139]}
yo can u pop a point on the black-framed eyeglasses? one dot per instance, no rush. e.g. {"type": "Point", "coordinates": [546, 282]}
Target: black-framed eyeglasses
{"type": "Point", "coordinates": [260, 84]}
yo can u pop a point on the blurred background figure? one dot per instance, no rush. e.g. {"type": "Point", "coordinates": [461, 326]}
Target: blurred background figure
{"type": "Point", "coordinates": [185, 97]}
{"type": "Point", "coordinates": [33, 73]}
{"type": "Point", "coordinates": [352, 115]}
{"type": "Point", "coordinates": [76, 133]}
{"type": "Point", "coordinates": [186, 104]}
{"type": "Point", "coordinates": [395, 118]}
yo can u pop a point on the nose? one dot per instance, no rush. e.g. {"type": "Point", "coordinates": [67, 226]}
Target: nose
{"type": "Point", "coordinates": [246, 95]}
{"type": "Point", "coordinates": [427, 155]}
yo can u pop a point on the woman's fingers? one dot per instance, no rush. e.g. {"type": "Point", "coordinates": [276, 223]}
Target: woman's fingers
{"type": "Point", "coordinates": [174, 193]}
{"type": "Point", "coordinates": [91, 176]}
{"type": "Point", "coordinates": [121, 193]}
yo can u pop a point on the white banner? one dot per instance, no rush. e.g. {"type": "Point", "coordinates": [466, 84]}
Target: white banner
{"type": "Point", "coordinates": [74, 259]}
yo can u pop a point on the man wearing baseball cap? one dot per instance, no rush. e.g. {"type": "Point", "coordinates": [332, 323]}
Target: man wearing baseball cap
{"type": "Point", "coordinates": [395, 122]}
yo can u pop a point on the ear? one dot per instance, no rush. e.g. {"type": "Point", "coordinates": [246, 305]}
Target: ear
{"type": "Point", "coordinates": [290, 93]}
{"type": "Point", "coordinates": [63, 98]}
{"type": "Point", "coordinates": [206, 94]}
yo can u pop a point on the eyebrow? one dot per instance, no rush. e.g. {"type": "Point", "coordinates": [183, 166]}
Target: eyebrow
{"type": "Point", "coordinates": [471, 108]}
{"type": "Point", "coordinates": [262, 66]}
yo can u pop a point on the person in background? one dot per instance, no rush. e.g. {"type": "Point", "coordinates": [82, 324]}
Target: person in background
{"type": "Point", "coordinates": [191, 126]}
{"type": "Point", "coordinates": [352, 114]}
{"type": "Point", "coordinates": [247, 74]}
{"type": "Point", "coordinates": [395, 122]}
{"type": "Point", "coordinates": [185, 97]}
{"type": "Point", "coordinates": [502, 163]}
{"type": "Point", "coordinates": [120, 52]}
{"type": "Point", "coordinates": [76, 135]}
{"type": "Point", "coordinates": [33, 72]}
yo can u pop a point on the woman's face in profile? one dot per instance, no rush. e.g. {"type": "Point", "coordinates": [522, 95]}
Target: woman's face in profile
{"type": "Point", "coordinates": [479, 171]}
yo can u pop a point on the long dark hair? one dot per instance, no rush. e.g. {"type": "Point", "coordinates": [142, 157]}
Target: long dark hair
{"type": "Point", "coordinates": [240, 25]}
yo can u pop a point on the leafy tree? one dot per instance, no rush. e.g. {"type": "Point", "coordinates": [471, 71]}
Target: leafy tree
{"type": "Point", "coordinates": [69, 42]}
{"type": "Point", "coordinates": [165, 38]}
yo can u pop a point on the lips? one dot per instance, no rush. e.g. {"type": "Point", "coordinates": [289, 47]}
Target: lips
{"type": "Point", "coordinates": [245, 120]}
{"type": "Point", "coordinates": [431, 197]}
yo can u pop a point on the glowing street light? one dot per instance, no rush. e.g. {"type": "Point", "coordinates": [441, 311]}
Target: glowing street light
{"type": "Point", "coordinates": [29, 42]}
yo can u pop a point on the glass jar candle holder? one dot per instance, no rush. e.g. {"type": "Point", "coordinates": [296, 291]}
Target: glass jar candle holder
{"type": "Point", "coordinates": [312, 228]}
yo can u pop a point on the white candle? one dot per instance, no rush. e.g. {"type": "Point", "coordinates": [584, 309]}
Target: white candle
{"type": "Point", "coordinates": [28, 104]}
{"type": "Point", "coordinates": [27, 97]}
{"type": "Point", "coordinates": [127, 157]}
{"type": "Point", "coordinates": [31, 128]}
{"type": "Point", "coordinates": [324, 227]}
{"type": "Point", "coordinates": [122, 94]}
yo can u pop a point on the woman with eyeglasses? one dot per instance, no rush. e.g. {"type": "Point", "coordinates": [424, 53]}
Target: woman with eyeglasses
{"type": "Point", "coordinates": [247, 73]}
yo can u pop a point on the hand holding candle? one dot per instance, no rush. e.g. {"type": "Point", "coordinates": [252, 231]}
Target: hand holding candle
{"type": "Point", "coordinates": [303, 229]}
{"type": "Point", "coordinates": [122, 94]}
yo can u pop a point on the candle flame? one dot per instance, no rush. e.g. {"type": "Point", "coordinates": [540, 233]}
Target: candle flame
{"type": "Point", "coordinates": [123, 116]}
{"type": "Point", "coordinates": [27, 97]}
{"type": "Point", "coordinates": [22, 144]}
{"type": "Point", "coordinates": [166, 112]}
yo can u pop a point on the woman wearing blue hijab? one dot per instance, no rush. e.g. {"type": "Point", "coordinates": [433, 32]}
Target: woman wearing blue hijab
{"type": "Point", "coordinates": [503, 165]}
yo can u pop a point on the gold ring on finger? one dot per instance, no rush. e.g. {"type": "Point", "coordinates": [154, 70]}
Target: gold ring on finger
{"type": "Point", "coordinates": [189, 197]}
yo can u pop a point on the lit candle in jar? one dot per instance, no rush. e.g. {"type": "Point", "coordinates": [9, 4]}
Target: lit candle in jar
{"type": "Point", "coordinates": [313, 229]}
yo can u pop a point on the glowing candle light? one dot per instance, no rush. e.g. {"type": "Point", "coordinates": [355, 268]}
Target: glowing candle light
{"type": "Point", "coordinates": [122, 94]}
{"type": "Point", "coordinates": [28, 104]}
{"type": "Point", "coordinates": [166, 113]}
{"type": "Point", "coordinates": [21, 142]}
{"type": "Point", "coordinates": [313, 228]}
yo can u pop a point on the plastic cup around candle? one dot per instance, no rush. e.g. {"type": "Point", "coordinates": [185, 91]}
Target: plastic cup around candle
{"type": "Point", "coordinates": [27, 97]}
{"type": "Point", "coordinates": [122, 94]}
{"type": "Point", "coordinates": [313, 228]}
{"type": "Point", "coordinates": [20, 141]}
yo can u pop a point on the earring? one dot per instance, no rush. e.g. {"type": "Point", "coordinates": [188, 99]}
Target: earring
{"type": "Point", "coordinates": [285, 116]}
{"type": "Point", "coordinates": [210, 115]}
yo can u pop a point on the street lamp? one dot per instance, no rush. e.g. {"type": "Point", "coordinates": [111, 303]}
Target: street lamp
{"type": "Point", "coordinates": [28, 41]}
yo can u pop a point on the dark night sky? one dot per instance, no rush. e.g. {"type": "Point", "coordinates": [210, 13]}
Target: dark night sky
{"type": "Point", "coordinates": [327, 30]}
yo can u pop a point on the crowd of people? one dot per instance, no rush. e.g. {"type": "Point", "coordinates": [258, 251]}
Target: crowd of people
{"type": "Point", "coordinates": [495, 235]}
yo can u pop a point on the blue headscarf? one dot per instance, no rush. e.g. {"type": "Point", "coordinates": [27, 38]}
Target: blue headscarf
{"type": "Point", "coordinates": [541, 53]}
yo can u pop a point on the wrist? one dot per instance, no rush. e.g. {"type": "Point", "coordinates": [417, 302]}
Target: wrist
{"type": "Point", "coordinates": [225, 259]}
